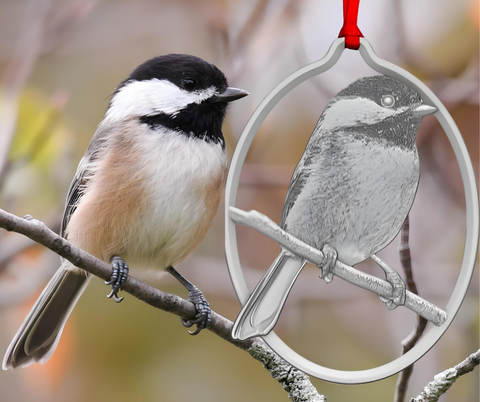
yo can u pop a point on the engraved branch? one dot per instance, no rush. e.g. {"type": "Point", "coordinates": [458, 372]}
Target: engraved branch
{"type": "Point", "coordinates": [266, 226]}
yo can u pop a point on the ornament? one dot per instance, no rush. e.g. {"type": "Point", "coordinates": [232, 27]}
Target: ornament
{"type": "Point", "coordinates": [367, 137]}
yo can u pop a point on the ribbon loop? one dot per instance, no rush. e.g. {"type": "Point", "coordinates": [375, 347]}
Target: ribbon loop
{"type": "Point", "coordinates": [350, 30]}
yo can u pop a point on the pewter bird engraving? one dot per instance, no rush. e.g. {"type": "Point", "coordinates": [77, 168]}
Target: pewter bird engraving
{"type": "Point", "coordinates": [349, 194]}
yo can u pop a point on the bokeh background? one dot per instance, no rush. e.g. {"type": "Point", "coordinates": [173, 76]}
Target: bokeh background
{"type": "Point", "coordinates": [59, 63]}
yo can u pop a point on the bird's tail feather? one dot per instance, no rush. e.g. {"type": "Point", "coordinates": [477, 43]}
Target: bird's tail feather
{"type": "Point", "coordinates": [262, 310]}
{"type": "Point", "coordinates": [39, 334]}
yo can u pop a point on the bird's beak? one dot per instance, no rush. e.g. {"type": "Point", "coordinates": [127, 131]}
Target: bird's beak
{"type": "Point", "coordinates": [423, 110]}
{"type": "Point", "coordinates": [230, 94]}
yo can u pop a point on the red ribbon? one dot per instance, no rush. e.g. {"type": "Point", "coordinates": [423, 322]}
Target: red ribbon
{"type": "Point", "coordinates": [350, 30]}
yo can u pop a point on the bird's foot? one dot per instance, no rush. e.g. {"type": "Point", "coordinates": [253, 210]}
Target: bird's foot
{"type": "Point", "coordinates": [399, 289]}
{"type": "Point", "coordinates": [119, 276]}
{"type": "Point", "coordinates": [329, 262]}
{"type": "Point", "coordinates": [204, 313]}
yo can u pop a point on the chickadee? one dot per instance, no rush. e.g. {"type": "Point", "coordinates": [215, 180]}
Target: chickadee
{"type": "Point", "coordinates": [350, 192]}
{"type": "Point", "coordinates": [145, 192]}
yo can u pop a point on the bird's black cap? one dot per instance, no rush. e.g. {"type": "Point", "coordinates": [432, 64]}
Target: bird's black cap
{"type": "Point", "coordinates": [181, 70]}
{"type": "Point", "coordinates": [378, 86]}
{"type": "Point", "coordinates": [190, 73]}
{"type": "Point", "coordinates": [399, 129]}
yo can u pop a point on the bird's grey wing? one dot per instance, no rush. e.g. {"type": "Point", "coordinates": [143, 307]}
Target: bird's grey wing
{"type": "Point", "coordinates": [300, 174]}
{"type": "Point", "coordinates": [75, 193]}
{"type": "Point", "coordinates": [294, 189]}
{"type": "Point", "coordinates": [81, 178]}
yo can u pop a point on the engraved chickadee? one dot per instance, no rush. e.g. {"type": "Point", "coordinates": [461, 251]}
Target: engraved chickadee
{"type": "Point", "coordinates": [350, 192]}
{"type": "Point", "coordinates": [145, 192]}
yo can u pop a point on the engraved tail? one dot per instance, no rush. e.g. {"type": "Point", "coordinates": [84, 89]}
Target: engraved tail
{"type": "Point", "coordinates": [39, 334]}
{"type": "Point", "coordinates": [262, 309]}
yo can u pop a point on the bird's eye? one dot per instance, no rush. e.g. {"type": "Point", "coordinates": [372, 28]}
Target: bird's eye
{"type": "Point", "coordinates": [189, 84]}
{"type": "Point", "coordinates": [388, 101]}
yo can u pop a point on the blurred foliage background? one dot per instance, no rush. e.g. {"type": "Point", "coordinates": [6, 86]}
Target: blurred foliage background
{"type": "Point", "coordinates": [60, 61]}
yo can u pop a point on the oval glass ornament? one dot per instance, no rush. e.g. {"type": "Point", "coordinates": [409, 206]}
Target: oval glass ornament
{"type": "Point", "coordinates": [471, 199]}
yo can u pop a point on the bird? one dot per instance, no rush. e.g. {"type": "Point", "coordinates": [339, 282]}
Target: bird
{"type": "Point", "coordinates": [349, 194]}
{"type": "Point", "coordinates": [145, 192]}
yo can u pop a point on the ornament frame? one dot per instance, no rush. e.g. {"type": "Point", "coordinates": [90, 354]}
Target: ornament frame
{"type": "Point", "coordinates": [471, 200]}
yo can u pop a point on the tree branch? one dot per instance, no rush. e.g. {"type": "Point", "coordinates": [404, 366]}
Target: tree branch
{"type": "Point", "coordinates": [296, 383]}
{"type": "Point", "coordinates": [266, 226]}
{"type": "Point", "coordinates": [443, 381]}
{"type": "Point", "coordinates": [410, 341]}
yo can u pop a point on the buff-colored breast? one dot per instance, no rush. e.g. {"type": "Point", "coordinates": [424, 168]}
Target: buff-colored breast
{"type": "Point", "coordinates": [151, 200]}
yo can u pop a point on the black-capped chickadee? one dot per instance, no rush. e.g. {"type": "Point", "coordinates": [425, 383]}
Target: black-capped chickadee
{"type": "Point", "coordinates": [350, 192]}
{"type": "Point", "coordinates": [145, 192]}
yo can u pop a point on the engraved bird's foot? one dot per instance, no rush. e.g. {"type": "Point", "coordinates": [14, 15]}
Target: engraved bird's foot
{"type": "Point", "coordinates": [204, 313]}
{"type": "Point", "coordinates": [119, 276]}
{"type": "Point", "coordinates": [399, 289]}
{"type": "Point", "coordinates": [328, 263]}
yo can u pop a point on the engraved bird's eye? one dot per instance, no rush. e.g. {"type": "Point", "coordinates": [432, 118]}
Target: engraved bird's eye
{"type": "Point", "coordinates": [189, 84]}
{"type": "Point", "coordinates": [388, 101]}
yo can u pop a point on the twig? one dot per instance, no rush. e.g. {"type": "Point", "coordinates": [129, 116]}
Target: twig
{"type": "Point", "coordinates": [17, 72]}
{"type": "Point", "coordinates": [410, 341]}
{"type": "Point", "coordinates": [443, 381]}
{"type": "Point", "coordinates": [296, 383]}
{"type": "Point", "coordinates": [42, 30]}
{"type": "Point", "coordinates": [266, 226]}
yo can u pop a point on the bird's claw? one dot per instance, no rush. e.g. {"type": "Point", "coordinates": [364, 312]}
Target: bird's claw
{"type": "Point", "coordinates": [119, 276]}
{"type": "Point", "coordinates": [113, 294]}
{"type": "Point", "coordinates": [329, 262]}
{"type": "Point", "coordinates": [389, 304]}
{"type": "Point", "coordinates": [399, 291]}
{"type": "Point", "coordinates": [204, 313]}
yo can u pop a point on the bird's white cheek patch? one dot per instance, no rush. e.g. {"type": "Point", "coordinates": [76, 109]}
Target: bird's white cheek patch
{"type": "Point", "coordinates": [143, 98]}
{"type": "Point", "coordinates": [349, 112]}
